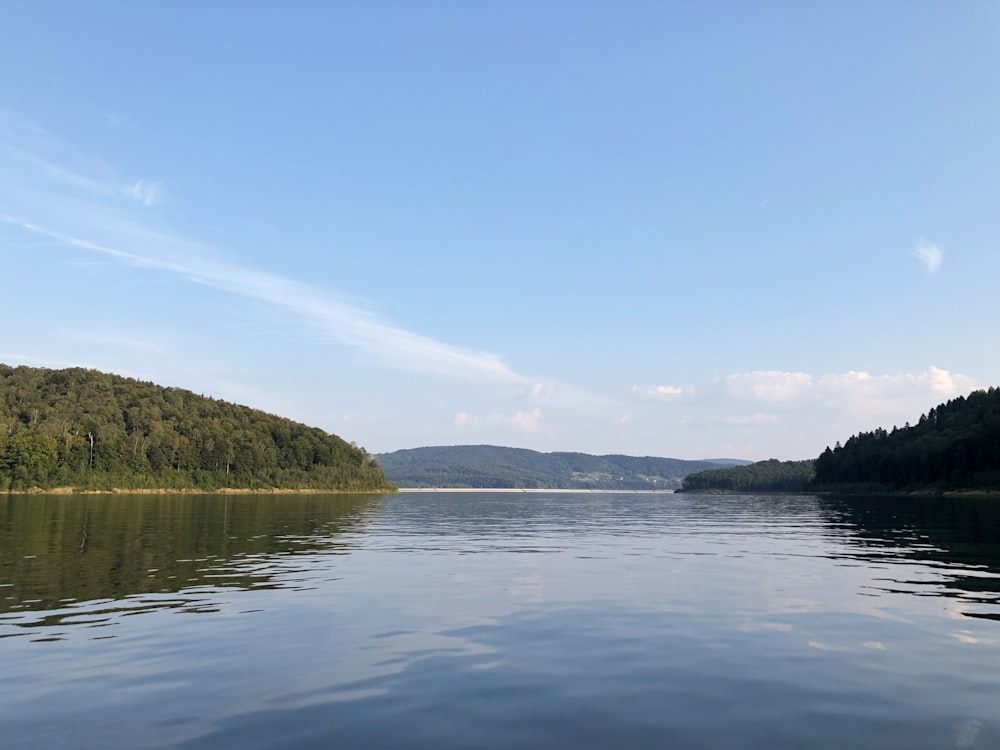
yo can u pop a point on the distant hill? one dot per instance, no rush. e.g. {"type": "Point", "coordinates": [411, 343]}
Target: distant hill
{"type": "Point", "coordinates": [490, 466]}
{"type": "Point", "coordinates": [90, 430]}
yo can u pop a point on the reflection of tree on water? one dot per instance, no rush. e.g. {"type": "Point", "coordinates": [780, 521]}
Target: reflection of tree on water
{"type": "Point", "coordinates": [958, 537]}
{"type": "Point", "coordinates": [58, 549]}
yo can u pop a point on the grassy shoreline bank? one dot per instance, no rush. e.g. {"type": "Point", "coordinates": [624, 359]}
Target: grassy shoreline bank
{"type": "Point", "coordinates": [196, 491]}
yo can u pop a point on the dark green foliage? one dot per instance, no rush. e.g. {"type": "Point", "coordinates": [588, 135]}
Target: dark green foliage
{"type": "Point", "coordinates": [953, 446]}
{"type": "Point", "coordinates": [764, 476]}
{"type": "Point", "coordinates": [91, 430]}
{"type": "Point", "coordinates": [516, 468]}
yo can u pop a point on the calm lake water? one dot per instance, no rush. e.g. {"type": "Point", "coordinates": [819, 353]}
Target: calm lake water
{"type": "Point", "coordinates": [479, 620]}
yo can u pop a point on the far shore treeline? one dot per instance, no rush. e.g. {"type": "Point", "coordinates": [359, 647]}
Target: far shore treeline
{"type": "Point", "coordinates": [82, 430]}
{"type": "Point", "coordinates": [87, 430]}
{"type": "Point", "coordinates": [763, 476]}
{"type": "Point", "coordinates": [954, 447]}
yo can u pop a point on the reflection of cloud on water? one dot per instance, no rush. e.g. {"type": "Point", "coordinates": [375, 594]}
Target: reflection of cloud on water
{"type": "Point", "coordinates": [967, 731]}
{"type": "Point", "coordinates": [820, 646]}
{"type": "Point", "coordinates": [880, 613]}
{"type": "Point", "coordinates": [529, 586]}
{"type": "Point", "coordinates": [794, 605]}
{"type": "Point", "coordinates": [487, 665]}
{"type": "Point", "coordinates": [350, 674]}
{"type": "Point", "coordinates": [965, 636]}
{"type": "Point", "coordinates": [758, 627]}
{"type": "Point", "coordinates": [341, 685]}
{"type": "Point", "coordinates": [957, 609]}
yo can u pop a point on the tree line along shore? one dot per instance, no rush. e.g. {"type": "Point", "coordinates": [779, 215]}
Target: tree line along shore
{"type": "Point", "coordinates": [953, 449]}
{"type": "Point", "coordinates": [79, 430]}
{"type": "Point", "coordinates": [86, 431]}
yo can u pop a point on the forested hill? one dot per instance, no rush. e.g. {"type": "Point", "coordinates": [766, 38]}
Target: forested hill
{"type": "Point", "coordinates": [954, 446]}
{"type": "Point", "coordinates": [763, 476]}
{"type": "Point", "coordinates": [517, 468]}
{"type": "Point", "coordinates": [91, 430]}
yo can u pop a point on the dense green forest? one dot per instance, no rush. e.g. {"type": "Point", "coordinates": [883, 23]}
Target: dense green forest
{"type": "Point", "coordinates": [95, 431]}
{"type": "Point", "coordinates": [954, 446]}
{"type": "Point", "coordinates": [517, 468]}
{"type": "Point", "coordinates": [763, 476]}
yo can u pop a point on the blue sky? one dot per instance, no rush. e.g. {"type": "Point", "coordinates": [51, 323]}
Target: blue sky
{"type": "Point", "coordinates": [675, 229]}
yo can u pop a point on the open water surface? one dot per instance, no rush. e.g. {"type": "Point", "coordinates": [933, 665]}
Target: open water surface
{"type": "Point", "coordinates": [481, 620]}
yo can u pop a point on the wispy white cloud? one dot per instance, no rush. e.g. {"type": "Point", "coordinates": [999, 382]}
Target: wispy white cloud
{"type": "Point", "coordinates": [746, 420]}
{"type": "Point", "coordinates": [769, 385]}
{"type": "Point", "coordinates": [36, 172]}
{"type": "Point", "coordinates": [929, 254]}
{"type": "Point", "coordinates": [147, 193]}
{"type": "Point", "coordinates": [68, 202]}
{"type": "Point", "coordinates": [117, 120]}
{"type": "Point", "coordinates": [759, 414]}
{"type": "Point", "coordinates": [660, 391]}
{"type": "Point", "coordinates": [795, 414]}
{"type": "Point", "coordinates": [89, 214]}
{"type": "Point", "coordinates": [343, 322]}
{"type": "Point", "coordinates": [668, 390]}
{"type": "Point", "coordinates": [945, 383]}
{"type": "Point", "coordinates": [464, 419]}
{"type": "Point", "coordinates": [853, 387]}
{"type": "Point", "coordinates": [860, 387]}
{"type": "Point", "coordinates": [523, 421]}
{"type": "Point", "coordinates": [527, 421]}
{"type": "Point", "coordinates": [559, 395]}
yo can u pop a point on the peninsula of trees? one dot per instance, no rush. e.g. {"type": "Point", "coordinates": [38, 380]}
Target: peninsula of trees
{"type": "Point", "coordinates": [763, 476]}
{"type": "Point", "coordinates": [490, 466]}
{"type": "Point", "coordinates": [89, 430]}
{"type": "Point", "coordinates": [954, 447]}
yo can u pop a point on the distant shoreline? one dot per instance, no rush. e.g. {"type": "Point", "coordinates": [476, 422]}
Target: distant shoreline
{"type": "Point", "coordinates": [532, 490]}
{"type": "Point", "coordinates": [190, 491]}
